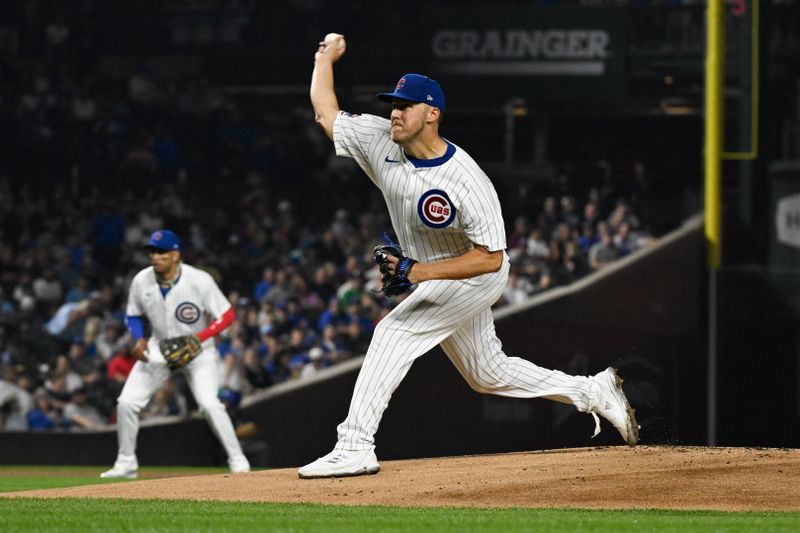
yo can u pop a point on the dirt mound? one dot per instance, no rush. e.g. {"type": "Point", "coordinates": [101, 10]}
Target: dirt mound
{"type": "Point", "coordinates": [645, 477]}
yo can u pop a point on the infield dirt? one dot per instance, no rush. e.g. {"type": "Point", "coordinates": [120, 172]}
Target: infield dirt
{"type": "Point", "coordinates": [644, 477]}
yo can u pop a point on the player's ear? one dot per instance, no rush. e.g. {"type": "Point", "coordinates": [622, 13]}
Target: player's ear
{"type": "Point", "coordinates": [433, 114]}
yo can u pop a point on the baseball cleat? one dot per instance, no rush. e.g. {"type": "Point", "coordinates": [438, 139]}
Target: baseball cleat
{"type": "Point", "coordinates": [611, 404]}
{"type": "Point", "coordinates": [342, 463]}
{"type": "Point", "coordinates": [239, 464]}
{"type": "Point", "coordinates": [119, 473]}
{"type": "Point", "coordinates": [125, 467]}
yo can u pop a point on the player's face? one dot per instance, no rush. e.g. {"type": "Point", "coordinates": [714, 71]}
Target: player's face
{"type": "Point", "coordinates": [164, 262]}
{"type": "Point", "coordinates": [408, 120]}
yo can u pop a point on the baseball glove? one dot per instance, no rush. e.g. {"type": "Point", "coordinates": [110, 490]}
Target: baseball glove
{"type": "Point", "coordinates": [179, 351]}
{"type": "Point", "coordinates": [397, 283]}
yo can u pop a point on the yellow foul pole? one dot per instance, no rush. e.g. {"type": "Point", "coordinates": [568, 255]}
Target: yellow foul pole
{"type": "Point", "coordinates": [714, 115]}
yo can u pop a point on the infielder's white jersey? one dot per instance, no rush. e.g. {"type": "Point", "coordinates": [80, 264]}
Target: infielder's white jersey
{"type": "Point", "coordinates": [438, 207]}
{"type": "Point", "coordinates": [187, 309]}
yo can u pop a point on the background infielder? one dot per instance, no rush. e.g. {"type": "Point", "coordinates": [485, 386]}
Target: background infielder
{"type": "Point", "coordinates": [446, 214]}
{"type": "Point", "coordinates": [176, 299]}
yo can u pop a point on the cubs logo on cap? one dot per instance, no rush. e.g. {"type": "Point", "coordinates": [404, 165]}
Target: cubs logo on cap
{"type": "Point", "coordinates": [435, 209]}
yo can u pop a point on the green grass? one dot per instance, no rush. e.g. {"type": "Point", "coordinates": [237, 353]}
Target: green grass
{"type": "Point", "coordinates": [156, 515]}
{"type": "Point", "coordinates": [75, 514]}
{"type": "Point", "coordinates": [15, 478]}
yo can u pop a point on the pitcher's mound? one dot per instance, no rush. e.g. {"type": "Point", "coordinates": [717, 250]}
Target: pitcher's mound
{"type": "Point", "coordinates": [647, 477]}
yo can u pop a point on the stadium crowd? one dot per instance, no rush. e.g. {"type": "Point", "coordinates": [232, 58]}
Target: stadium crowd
{"type": "Point", "coordinates": [92, 165]}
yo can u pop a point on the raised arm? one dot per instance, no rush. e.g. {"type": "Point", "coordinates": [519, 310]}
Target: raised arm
{"type": "Point", "coordinates": [323, 96]}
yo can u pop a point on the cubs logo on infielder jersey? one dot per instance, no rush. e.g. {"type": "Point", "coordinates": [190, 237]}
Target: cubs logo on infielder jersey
{"type": "Point", "coordinates": [187, 312]}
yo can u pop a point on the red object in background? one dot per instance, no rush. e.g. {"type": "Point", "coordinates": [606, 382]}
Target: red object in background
{"type": "Point", "coordinates": [120, 364]}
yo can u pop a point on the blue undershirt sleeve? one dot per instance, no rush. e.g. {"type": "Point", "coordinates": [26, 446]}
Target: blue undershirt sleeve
{"type": "Point", "coordinates": [135, 326]}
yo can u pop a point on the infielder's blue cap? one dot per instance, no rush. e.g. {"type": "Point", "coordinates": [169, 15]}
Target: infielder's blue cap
{"type": "Point", "coordinates": [163, 240]}
{"type": "Point", "coordinates": [416, 88]}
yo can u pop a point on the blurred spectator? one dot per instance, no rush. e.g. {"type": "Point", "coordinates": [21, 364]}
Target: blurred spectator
{"type": "Point", "coordinates": [63, 379]}
{"type": "Point", "coordinates": [518, 236]}
{"type": "Point", "coordinates": [255, 373]}
{"type": "Point", "coordinates": [231, 375]}
{"type": "Point", "coordinates": [568, 212]}
{"type": "Point", "coordinates": [120, 365]}
{"type": "Point", "coordinates": [536, 247]}
{"type": "Point", "coordinates": [315, 363]}
{"type": "Point", "coordinates": [47, 289]}
{"type": "Point", "coordinates": [86, 368]}
{"type": "Point", "coordinates": [79, 413]}
{"type": "Point", "coordinates": [264, 285]}
{"type": "Point", "coordinates": [588, 237]}
{"type": "Point", "coordinates": [69, 320]}
{"type": "Point", "coordinates": [43, 415]}
{"type": "Point", "coordinates": [603, 252]}
{"type": "Point", "coordinates": [79, 292]}
{"type": "Point", "coordinates": [548, 218]}
{"type": "Point", "coordinates": [573, 265]}
{"type": "Point", "coordinates": [110, 341]}
{"type": "Point", "coordinates": [591, 216]}
{"type": "Point", "coordinates": [622, 239]}
{"type": "Point", "coordinates": [332, 345]}
{"type": "Point", "coordinates": [518, 289]}
{"type": "Point", "coordinates": [15, 401]}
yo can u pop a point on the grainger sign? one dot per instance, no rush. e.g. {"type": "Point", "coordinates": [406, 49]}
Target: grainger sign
{"type": "Point", "coordinates": [546, 53]}
{"type": "Point", "coordinates": [555, 52]}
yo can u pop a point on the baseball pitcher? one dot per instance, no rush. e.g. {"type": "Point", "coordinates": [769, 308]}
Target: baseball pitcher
{"type": "Point", "coordinates": [451, 252]}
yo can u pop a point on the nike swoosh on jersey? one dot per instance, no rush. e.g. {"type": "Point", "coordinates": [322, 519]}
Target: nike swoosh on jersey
{"type": "Point", "coordinates": [391, 160]}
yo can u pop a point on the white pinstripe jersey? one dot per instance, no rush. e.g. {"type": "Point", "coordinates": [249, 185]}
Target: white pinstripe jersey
{"type": "Point", "coordinates": [185, 308]}
{"type": "Point", "coordinates": [438, 208]}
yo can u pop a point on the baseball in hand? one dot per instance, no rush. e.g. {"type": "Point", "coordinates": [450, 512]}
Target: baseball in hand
{"type": "Point", "coordinates": [332, 37]}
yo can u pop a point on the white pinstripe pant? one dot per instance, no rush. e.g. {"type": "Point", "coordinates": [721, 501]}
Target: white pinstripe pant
{"type": "Point", "coordinates": [456, 314]}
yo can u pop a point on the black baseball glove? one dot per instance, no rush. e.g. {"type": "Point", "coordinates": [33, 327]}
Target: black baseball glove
{"type": "Point", "coordinates": [179, 351]}
{"type": "Point", "coordinates": [397, 283]}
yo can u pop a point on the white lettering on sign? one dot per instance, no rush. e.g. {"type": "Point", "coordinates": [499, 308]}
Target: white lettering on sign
{"type": "Point", "coordinates": [521, 52]}
{"type": "Point", "coordinates": [520, 44]}
{"type": "Point", "coordinates": [787, 220]}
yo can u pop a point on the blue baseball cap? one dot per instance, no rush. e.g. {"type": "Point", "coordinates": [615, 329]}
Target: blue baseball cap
{"type": "Point", "coordinates": [416, 88]}
{"type": "Point", "coordinates": [164, 240]}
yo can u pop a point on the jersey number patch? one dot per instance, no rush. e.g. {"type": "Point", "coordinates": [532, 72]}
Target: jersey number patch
{"type": "Point", "coordinates": [187, 312]}
{"type": "Point", "coordinates": [435, 209]}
